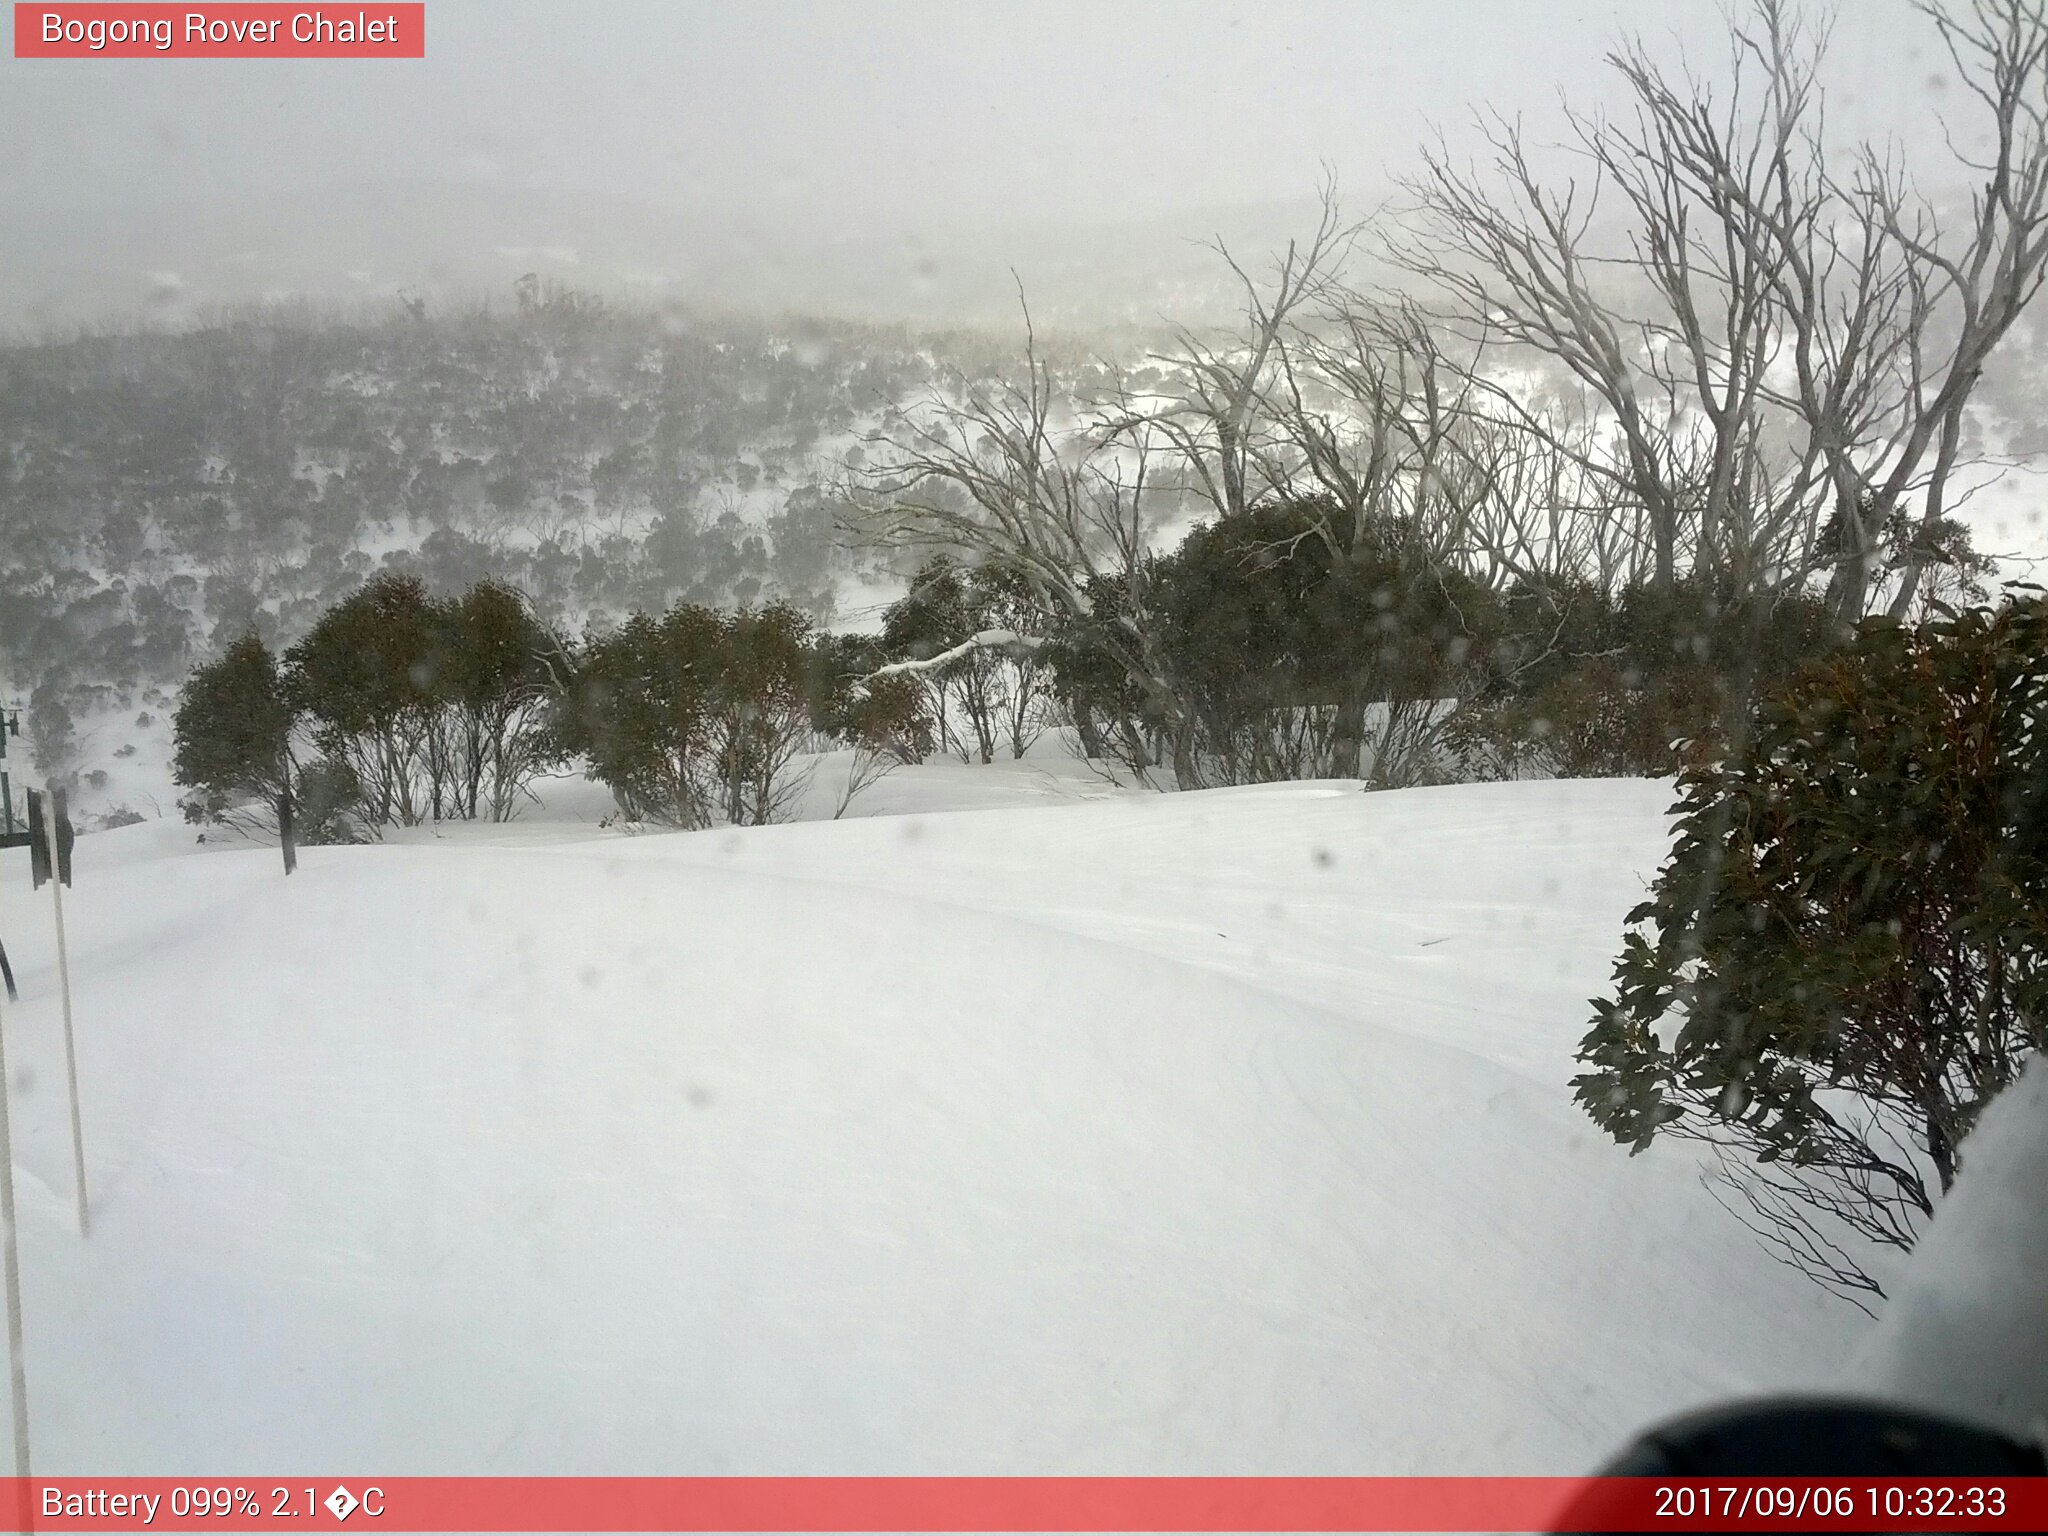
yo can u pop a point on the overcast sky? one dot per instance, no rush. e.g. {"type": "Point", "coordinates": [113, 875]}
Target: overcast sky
{"type": "Point", "coordinates": [871, 115]}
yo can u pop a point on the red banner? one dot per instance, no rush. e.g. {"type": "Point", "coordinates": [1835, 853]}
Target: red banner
{"type": "Point", "coordinates": [1024, 1504]}
{"type": "Point", "coordinates": [371, 30]}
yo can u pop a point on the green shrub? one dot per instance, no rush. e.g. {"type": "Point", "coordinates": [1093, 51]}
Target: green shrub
{"type": "Point", "coordinates": [694, 718]}
{"type": "Point", "coordinates": [1643, 683]}
{"type": "Point", "coordinates": [232, 744]}
{"type": "Point", "coordinates": [1845, 956]}
{"type": "Point", "coordinates": [1297, 657]}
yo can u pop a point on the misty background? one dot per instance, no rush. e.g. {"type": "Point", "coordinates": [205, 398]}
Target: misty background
{"type": "Point", "coordinates": [611, 303]}
{"type": "Point", "coordinates": [892, 160]}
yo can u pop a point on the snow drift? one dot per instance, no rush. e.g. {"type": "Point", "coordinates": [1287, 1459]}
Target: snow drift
{"type": "Point", "coordinates": [1220, 1132]}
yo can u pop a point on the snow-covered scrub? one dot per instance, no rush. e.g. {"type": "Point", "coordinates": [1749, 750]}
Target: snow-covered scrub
{"type": "Point", "coordinates": [1107, 1132]}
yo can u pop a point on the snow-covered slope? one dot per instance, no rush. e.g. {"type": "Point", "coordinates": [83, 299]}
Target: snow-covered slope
{"type": "Point", "coordinates": [1218, 1132]}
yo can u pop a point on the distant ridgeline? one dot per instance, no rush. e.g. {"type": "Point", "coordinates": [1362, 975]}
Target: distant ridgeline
{"type": "Point", "coordinates": [162, 492]}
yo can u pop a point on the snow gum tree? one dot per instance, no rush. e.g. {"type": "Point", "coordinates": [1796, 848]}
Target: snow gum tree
{"type": "Point", "coordinates": [364, 674]}
{"type": "Point", "coordinates": [998, 691]}
{"type": "Point", "coordinates": [694, 718]}
{"type": "Point", "coordinates": [232, 740]}
{"type": "Point", "coordinates": [1280, 641]}
{"type": "Point", "coordinates": [490, 680]}
{"type": "Point", "coordinates": [760, 711]}
{"type": "Point", "coordinates": [435, 707]}
{"type": "Point", "coordinates": [1782, 336]}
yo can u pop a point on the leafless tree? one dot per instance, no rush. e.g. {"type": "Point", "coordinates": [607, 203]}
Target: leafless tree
{"type": "Point", "coordinates": [1344, 409]}
{"type": "Point", "coordinates": [1341, 406]}
{"type": "Point", "coordinates": [1985, 279]}
{"type": "Point", "coordinates": [1216, 411]}
{"type": "Point", "coordinates": [1059, 496]}
{"type": "Point", "coordinates": [1783, 345]}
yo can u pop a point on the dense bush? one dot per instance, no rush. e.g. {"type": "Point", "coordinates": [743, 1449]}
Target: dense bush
{"type": "Point", "coordinates": [855, 701]}
{"type": "Point", "coordinates": [1297, 657]}
{"type": "Point", "coordinates": [1641, 682]}
{"type": "Point", "coordinates": [1846, 955]}
{"type": "Point", "coordinates": [328, 805]}
{"type": "Point", "coordinates": [399, 707]}
{"type": "Point", "coordinates": [694, 718]}
{"type": "Point", "coordinates": [1112, 714]}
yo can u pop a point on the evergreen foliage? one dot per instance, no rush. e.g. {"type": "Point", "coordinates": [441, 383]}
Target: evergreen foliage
{"type": "Point", "coordinates": [693, 718]}
{"type": "Point", "coordinates": [232, 740]}
{"type": "Point", "coordinates": [433, 708]}
{"type": "Point", "coordinates": [1846, 955]}
{"type": "Point", "coordinates": [987, 696]}
{"type": "Point", "coordinates": [1636, 682]}
{"type": "Point", "coordinates": [412, 708]}
{"type": "Point", "coordinates": [1302, 658]}
{"type": "Point", "coordinates": [854, 701]}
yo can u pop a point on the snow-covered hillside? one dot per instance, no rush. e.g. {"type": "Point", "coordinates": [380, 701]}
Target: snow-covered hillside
{"type": "Point", "coordinates": [1221, 1132]}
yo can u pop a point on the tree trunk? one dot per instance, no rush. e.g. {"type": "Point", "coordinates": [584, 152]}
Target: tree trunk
{"type": "Point", "coordinates": [1665, 538]}
{"type": "Point", "coordinates": [1347, 737]}
{"type": "Point", "coordinates": [284, 830]}
{"type": "Point", "coordinates": [1930, 518]}
{"type": "Point", "coordinates": [1849, 588]}
{"type": "Point", "coordinates": [1086, 729]}
{"type": "Point", "coordinates": [1134, 745]}
{"type": "Point", "coordinates": [1849, 583]}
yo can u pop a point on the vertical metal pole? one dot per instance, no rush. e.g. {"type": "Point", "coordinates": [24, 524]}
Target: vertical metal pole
{"type": "Point", "coordinates": [10, 1260]}
{"type": "Point", "coordinates": [6, 806]}
{"type": "Point", "coordinates": [6, 970]}
{"type": "Point", "coordinates": [64, 991]}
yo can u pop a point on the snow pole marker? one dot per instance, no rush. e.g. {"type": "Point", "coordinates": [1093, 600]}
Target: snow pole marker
{"type": "Point", "coordinates": [10, 1261]}
{"type": "Point", "coordinates": [13, 834]}
{"type": "Point", "coordinates": [61, 876]}
{"type": "Point", "coordinates": [6, 970]}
